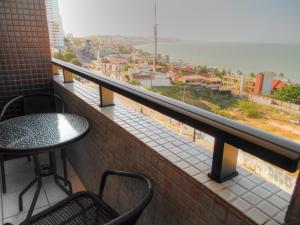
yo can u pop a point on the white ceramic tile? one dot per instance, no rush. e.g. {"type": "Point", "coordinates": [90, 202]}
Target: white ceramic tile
{"type": "Point", "coordinates": [261, 192]}
{"type": "Point", "coordinates": [272, 222]}
{"type": "Point", "coordinates": [278, 202]}
{"type": "Point", "coordinates": [280, 217]}
{"type": "Point", "coordinates": [241, 204]}
{"type": "Point", "coordinates": [226, 195]}
{"type": "Point", "coordinates": [228, 183]}
{"type": "Point", "coordinates": [182, 164]}
{"type": "Point", "coordinates": [214, 186]}
{"type": "Point", "coordinates": [192, 171]}
{"type": "Point", "coordinates": [18, 165]}
{"type": "Point", "coordinates": [268, 208]}
{"type": "Point", "coordinates": [11, 204]}
{"type": "Point", "coordinates": [237, 189]}
{"type": "Point", "coordinates": [192, 160]}
{"type": "Point", "coordinates": [202, 178]}
{"type": "Point", "coordinates": [165, 153]}
{"type": "Point", "coordinates": [252, 198]}
{"type": "Point", "coordinates": [246, 183]}
{"type": "Point", "coordinates": [17, 219]}
{"type": "Point", "coordinates": [202, 166]}
{"type": "Point", "coordinates": [183, 155]}
{"type": "Point", "coordinates": [18, 181]}
{"type": "Point", "coordinates": [255, 179]}
{"type": "Point", "coordinates": [193, 152]}
{"type": "Point", "coordinates": [159, 148]}
{"type": "Point", "coordinates": [173, 158]}
{"type": "Point", "coordinates": [243, 172]}
{"type": "Point", "coordinates": [257, 216]}
{"type": "Point", "coordinates": [284, 195]}
{"type": "Point", "coordinates": [53, 192]}
{"type": "Point", "coordinates": [270, 187]}
{"type": "Point", "coordinates": [201, 157]}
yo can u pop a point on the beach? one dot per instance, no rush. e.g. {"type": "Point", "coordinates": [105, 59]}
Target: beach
{"type": "Point", "coordinates": [246, 57]}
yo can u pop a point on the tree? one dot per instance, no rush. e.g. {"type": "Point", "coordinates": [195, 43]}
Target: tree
{"type": "Point", "coordinates": [182, 72]}
{"type": "Point", "coordinates": [289, 93]}
{"type": "Point", "coordinates": [177, 82]}
{"type": "Point", "coordinates": [76, 62]}
{"type": "Point", "coordinates": [281, 75]}
{"type": "Point", "coordinates": [69, 55]}
{"type": "Point", "coordinates": [127, 77]}
{"type": "Point", "coordinates": [224, 72]}
{"type": "Point", "coordinates": [59, 55]}
{"type": "Point", "coordinates": [202, 69]}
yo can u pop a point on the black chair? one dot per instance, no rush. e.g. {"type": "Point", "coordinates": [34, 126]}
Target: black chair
{"type": "Point", "coordinates": [25, 105]}
{"type": "Point", "coordinates": [87, 208]}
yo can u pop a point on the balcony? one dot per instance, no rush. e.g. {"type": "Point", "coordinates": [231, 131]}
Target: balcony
{"type": "Point", "coordinates": [179, 167]}
{"type": "Point", "coordinates": [192, 184]}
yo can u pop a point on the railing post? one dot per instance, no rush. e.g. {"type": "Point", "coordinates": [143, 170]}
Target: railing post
{"type": "Point", "coordinates": [68, 76]}
{"type": "Point", "coordinates": [224, 161]}
{"type": "Point", "coordinates": [106, 97]}
{"type": "Point", "coordinates": [55, 70]}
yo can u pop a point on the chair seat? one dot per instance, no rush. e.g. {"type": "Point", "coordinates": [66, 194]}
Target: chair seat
{"type": "Point", "coordinates": [81, 208]}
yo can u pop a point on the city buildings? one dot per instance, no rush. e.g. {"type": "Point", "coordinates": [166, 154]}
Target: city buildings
{"type": "Point", "coordinates": [265, 83]}
{"type": "Point", "coordinates": [213, 83]}
{"type": "Point", "coordinates": [56, 32]}
{"type": "Point", "coordinates": [262, 83]}
{"type": "Point", "coordinates": [231, 82]}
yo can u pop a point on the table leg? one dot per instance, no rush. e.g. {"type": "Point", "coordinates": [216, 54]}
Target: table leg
{"type": "Point", "coordinates": [58, 178]}
{"type": "Point", "coordinates": [38, 179]}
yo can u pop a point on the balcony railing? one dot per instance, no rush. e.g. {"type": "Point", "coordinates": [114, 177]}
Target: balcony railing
{"type": "Point", "coordinates": [230, 136]}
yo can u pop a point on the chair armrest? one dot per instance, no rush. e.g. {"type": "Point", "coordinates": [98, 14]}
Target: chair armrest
{"type": "Point", "coordinates": [8, 104]}
{"type": "Point", "coordinates": [133, 213]}
{"type": "Point", "coordinates": [122, 174]}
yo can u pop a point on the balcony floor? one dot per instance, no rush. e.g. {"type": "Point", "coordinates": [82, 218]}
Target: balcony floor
{"type": "Point", "coordinates": [19, 173]}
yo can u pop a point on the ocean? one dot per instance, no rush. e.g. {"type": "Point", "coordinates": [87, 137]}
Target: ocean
{"type": "Point", "coordinates": [246, 57]}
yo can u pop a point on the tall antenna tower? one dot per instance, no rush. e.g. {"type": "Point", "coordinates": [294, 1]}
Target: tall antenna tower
{"type": "Point", "coordinates": [155, 40]}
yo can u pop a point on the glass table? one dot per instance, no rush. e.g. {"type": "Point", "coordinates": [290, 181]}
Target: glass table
{"type": "Point", "coordinates": [40, 133]}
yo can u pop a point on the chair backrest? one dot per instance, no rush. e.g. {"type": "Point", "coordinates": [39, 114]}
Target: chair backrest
{"type": "Point", "coordinates": [132, 215]}
{"type": "Point", "coordinates": [34, 103]}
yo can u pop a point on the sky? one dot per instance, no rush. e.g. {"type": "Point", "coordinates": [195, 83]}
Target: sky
{"type": "Point", "coordinates": [263, 21]}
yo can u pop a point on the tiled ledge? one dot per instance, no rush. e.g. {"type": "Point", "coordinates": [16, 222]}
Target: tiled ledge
{"type": "Point", "coordinates": [262, 202]}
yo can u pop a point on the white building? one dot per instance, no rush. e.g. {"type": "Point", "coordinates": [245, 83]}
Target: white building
{"type": "Point", "coordinates": [56, 32]}
{"type": "Point", "coordinates": [267, 84]}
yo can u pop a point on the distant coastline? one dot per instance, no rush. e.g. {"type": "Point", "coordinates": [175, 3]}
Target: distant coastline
{"type": "Point", "coordinates": [246, 57]}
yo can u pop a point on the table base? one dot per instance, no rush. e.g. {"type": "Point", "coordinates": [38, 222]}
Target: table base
{"type": "Point", "coordinates": [39, 174]}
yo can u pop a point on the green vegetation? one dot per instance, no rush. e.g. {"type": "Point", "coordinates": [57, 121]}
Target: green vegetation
{"type": "Point", "coordinates": [204, 98]}
{"type": "Point", "coordinates": [59, 55]}
{"type": "Point", "coordinates": [289, 94]}
{"type": "Point", "coordinates": [76, 62]}
{"type": "Point", "coordinates": [134, 82]}
{"type": "Point", "coordinates": [249, 108]}
{"type": "Point", "coordinates": [177, 82]}
{"type": "Point", "coordinates": [127, 77]}
{"type": "Point", "coordinates": [202, 69]}
{"type": "Point", "coordinates": [264, 117]}
{"type": "Point", "coordinates": [68, 56]}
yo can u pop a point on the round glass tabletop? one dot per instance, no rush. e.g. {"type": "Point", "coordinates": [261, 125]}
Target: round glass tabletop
{"type": "Point", "coordinates": [40, 132]}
